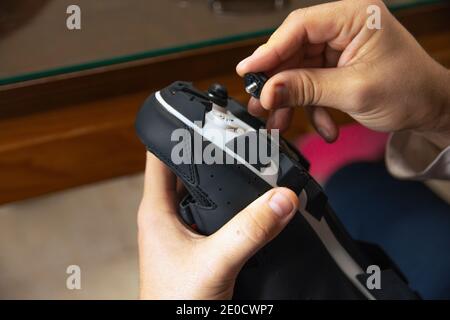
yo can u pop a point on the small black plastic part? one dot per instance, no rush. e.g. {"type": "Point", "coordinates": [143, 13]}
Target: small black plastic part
{"type": "Point", "coordinates": [254, 83]}
{"type": "Point", "coordinates": [218, 94]}
{"type": "Point", "coordinates": [291, 175]}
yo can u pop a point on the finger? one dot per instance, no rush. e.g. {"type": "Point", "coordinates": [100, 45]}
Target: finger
{"type": "Point", "coordinates": [280, 119]}
{"type": "Point", "coordinates": [314, 50]}
{"type": "Point", "coordinates": [323, 123]}
{"type": "Point", "coordinates": [329, 87]}
{"type": "Point", "coordinates": [252, 228]}
{"type": "Point", "coordinates": [321, 55]}
{"type": "Point", "coordinates": [331, 57]}
{"type": "Point", "coordinates": [314, 62]}
{"type": "Point", "coordinates": [255, 108]}
{"type": "Point", "coordinates": [160, 188]}
{"type": "Point", "coordinates": [333, 23]}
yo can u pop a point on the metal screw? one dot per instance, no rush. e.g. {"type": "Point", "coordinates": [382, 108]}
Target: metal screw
{"type": "Point", "coordinates": [251, 88]}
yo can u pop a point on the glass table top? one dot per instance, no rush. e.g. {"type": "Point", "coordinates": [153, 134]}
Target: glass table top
{"type": "Point", "coordinates": [35, 41]}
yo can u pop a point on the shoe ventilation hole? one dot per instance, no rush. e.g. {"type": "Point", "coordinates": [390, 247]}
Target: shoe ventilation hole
{"type": "Point", "coordinates": [220, 189]}
{"type": "Point", "coordinates": [211, 176]}
{"type": "Point", "coordinates": [228, 202]}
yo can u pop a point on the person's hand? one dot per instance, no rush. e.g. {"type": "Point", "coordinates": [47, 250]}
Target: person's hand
{"type": "Point", "coordinates": [326, 56]}
{"type": "Point", "coordinates": [177, 263]}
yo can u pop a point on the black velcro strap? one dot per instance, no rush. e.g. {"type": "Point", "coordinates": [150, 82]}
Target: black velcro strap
{"type": "Point", "coordinates": [317, 199]}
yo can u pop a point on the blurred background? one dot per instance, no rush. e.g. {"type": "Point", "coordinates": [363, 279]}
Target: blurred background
{"type": "Point", "coordinates": [70, 163]}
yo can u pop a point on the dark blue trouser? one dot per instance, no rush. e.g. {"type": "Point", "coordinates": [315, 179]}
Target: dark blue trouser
{"type": "Point", "coordinates": [404, 217]}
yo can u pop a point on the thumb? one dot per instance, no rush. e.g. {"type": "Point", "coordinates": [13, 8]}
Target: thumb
{"type": "Point", "coordinates": [252, 228]}
{"type": "Point", "coordinates": [330, 87]}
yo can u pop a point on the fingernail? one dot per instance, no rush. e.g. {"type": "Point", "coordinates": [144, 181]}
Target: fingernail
{"type": "Point", "coordinates": [281, 95]}
{"type": "Point", "coordinates": [324, 133]}
{"type": "Point", "coordinates": [252, 103]}
{"type": "Point", "coordinates": [281, 205]}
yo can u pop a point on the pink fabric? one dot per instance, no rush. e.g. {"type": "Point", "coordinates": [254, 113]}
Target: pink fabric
{"type": "Point", "coordinates": [355, 143]}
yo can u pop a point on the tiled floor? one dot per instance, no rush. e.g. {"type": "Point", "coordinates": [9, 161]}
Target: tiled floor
{"type": "Point", "coordinates": [93, 227]}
